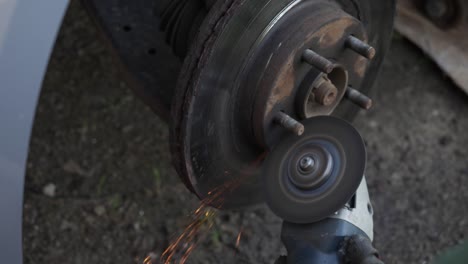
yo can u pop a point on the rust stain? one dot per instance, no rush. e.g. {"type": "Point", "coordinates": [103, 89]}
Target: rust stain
{"type": "Point", "coordinates": [284, 85]}
{"type": "Point", "coordinates": [333, 33]}
{"type": "Point", "coordinates": [360, 66]}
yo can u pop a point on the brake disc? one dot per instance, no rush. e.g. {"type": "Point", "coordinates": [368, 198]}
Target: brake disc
{"type": "Point", "coordinates": [254, 60]}
{"type": "Point", "coordinates": [310, 177]}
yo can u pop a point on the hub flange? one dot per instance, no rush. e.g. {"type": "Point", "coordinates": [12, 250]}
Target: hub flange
{"type": "Point", "coordinates": [295, 62]}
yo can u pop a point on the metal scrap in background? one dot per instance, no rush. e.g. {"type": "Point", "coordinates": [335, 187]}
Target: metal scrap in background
{"type": "Point", "coordinates": [438, 27]}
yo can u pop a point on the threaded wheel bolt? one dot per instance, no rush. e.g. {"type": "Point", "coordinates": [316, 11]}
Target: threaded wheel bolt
{"type": "Point", "coordinates": [360, 47]}
{"type": "Point", "coordinates": [318, 61]}
{"type": "Point", "coordinates": [289, 123]}
{"type": "Point", "coordinates": [358, 98]}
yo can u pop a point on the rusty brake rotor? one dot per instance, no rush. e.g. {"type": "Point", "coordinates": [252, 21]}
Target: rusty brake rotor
{"type": "Point", "coordinates": [256, 70]}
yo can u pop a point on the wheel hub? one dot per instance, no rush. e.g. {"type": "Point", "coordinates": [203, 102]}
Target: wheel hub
{"type": "Point", "coordinates": [302, 69]}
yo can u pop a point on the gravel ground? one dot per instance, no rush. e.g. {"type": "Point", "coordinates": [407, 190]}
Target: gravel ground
{"type": "Point", "coordinates": [101, 189]}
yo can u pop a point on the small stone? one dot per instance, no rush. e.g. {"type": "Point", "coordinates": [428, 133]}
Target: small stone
{"type": "Point", "coordinates": [396, 176]}
{"type": "Point", "coordinates": [49, 190]}
{"type": "Point", "coordinates": [72, 166]}
{"type": "Point", "coordinates": [99, 210]}
{"type": "Point", "coordinates": [67, 226]}
{"type": "Point", "coordinates": [373, 124]}
{"type": "Point", "coordinates": [137, 226]}
{"type": "Point", "coordinates": [90, 219]}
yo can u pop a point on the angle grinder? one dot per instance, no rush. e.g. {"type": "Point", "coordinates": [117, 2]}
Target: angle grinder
{"type": "Point", "coordinates": [315, 183]}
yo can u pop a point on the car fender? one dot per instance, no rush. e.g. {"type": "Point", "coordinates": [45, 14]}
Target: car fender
{"type": "Point", "coordinates": [28, 29]}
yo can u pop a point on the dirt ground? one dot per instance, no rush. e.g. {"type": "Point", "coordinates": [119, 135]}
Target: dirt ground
{"type": "Point", "coordinates": [101, 189]}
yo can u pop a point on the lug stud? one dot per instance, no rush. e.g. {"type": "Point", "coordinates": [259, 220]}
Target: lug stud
{"type": "Point", "coordinates": [318, 61]}
{"type": "Point", "coordinates": [358, 98]}
{"type": "Point", "coordinates": [289, 123]}
{"type": "Point", "coordinates": [360, 47]}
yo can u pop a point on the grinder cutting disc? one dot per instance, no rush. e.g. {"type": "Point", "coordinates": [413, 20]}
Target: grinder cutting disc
{"type": "Point", "coordinates": [310, 177]}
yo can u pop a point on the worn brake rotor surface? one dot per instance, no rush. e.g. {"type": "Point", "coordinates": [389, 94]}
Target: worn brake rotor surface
{"type": "Point", "coordinates": [256, 60]}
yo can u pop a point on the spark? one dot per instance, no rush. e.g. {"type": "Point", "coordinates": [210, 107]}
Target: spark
{"type": "Point", "coordinates": [203, 219]}
{"type": "Point", "coordinates": [184, 245]}
{"type": "Point", "coordinates": [239, 236]}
